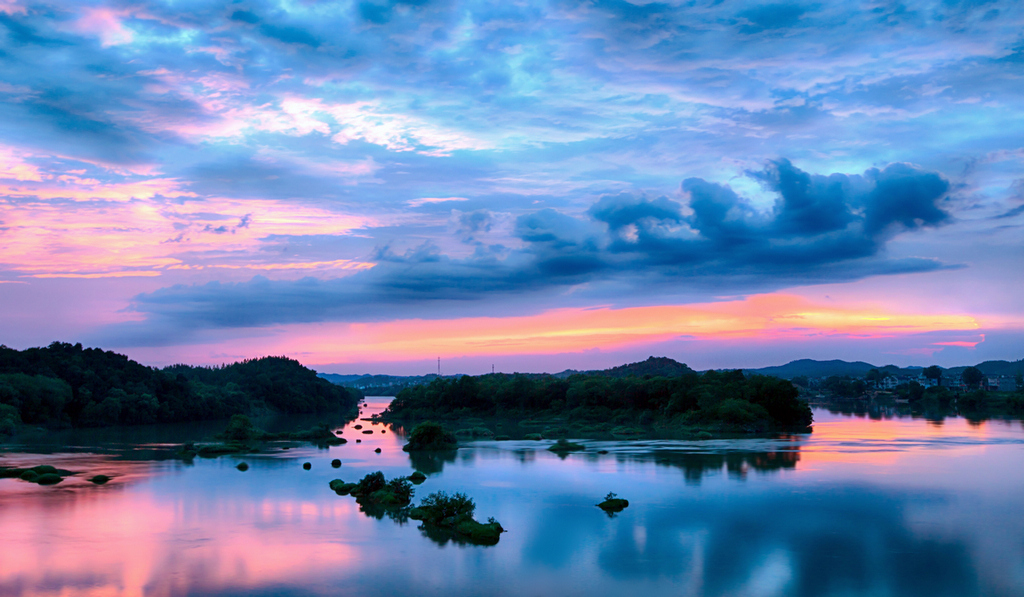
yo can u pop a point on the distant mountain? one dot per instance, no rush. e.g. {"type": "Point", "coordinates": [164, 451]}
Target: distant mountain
{"type": "Point", "coordinates": [340, 379]}
{"type": "Point", "coordinates": [812, 368]}
{"type": "Point", "coordinates": [1007, 368]}
{"type": "Point", "coordinates": [653, 366]}
{"type": "Point", "coordinates": [666, 367]}
{"type": "Point", "coordinates": [380, 383]}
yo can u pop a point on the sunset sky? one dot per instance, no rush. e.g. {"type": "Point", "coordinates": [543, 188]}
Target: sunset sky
{"type": "Point", "coordinates": [367, 186]}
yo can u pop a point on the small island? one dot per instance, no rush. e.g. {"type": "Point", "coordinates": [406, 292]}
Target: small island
{"type": "Point", "coordinates": [628, 401]}
{"type": "Point", "coordinates": [443, 517]}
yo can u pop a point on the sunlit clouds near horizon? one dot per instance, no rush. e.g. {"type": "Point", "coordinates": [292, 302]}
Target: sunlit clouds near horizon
{"type": "Point", "coordinates": [366, 186]}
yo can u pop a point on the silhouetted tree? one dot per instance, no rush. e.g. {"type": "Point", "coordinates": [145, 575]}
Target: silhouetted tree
{"type": "Point", "coordinates": [972, 376]}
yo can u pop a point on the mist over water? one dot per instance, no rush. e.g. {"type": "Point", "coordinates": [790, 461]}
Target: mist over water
{"type": "Point", "coordinates": [866, 507]}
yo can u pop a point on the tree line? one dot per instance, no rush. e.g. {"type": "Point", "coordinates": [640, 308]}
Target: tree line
{"type": "Point", "coordinates": [67, 385]}
{"type": "Point", "coordinates": [715, 397]}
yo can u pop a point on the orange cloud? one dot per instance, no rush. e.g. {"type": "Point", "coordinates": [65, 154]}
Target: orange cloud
{"type": "Point", "coordinates": [772, 316]}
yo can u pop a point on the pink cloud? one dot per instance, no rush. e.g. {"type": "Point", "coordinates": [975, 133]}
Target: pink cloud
{"type": "Point", "coordinates": [14, 167]}
{"type": "Point", "coordinates": [962, 343]}
{"type": "Point", "coordinates": [144, 236]}
{"type": "Point", "coordinates": [11, 7]}
{"type": "Point", "coordinates": [73, 187]}
{"type": "Point", "coordinates": [105, 23]}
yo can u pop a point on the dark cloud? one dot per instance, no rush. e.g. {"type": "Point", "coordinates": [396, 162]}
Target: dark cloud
{"type": "Point", "coordinates": [809, 205]}
{"type": "Point", "coordinates": [475, 221]}
{"type": "Point", "coordinates": [245, 16]}
{"type": "Point", "coordinates": [821, 229]}
{"type": "Point", "coordinates": [904, 196]}
{"type": "Point", "coordinates": [624, 209]}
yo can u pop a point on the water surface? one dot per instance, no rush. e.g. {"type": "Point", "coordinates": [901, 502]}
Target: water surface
{"type": "Point", "coordinates": [888, 507]}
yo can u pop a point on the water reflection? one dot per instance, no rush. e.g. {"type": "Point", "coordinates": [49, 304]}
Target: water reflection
{"type": "Point", "coordinates": [432, 462]}
{"type": "Point", "coordinates": [864, 507]}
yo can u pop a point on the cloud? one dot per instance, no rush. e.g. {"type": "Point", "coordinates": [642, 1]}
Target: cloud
{"type": "Point", "coordinates": [562, 128]}
{"type": "Point", "coordinates": [715, 242]}
{"type": "Point", "coordinates": [770, 16]}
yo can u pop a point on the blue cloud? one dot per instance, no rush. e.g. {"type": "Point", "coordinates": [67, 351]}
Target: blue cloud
{"type": "Point", "coordinates": [564, 128]}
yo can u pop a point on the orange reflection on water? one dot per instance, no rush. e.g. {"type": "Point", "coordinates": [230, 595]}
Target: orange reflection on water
{"type": "Point", "coordinates": [886, 442]}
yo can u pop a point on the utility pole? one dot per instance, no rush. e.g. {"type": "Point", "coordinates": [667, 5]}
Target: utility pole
{"type": "Point", "coordinates": [439, 366]}
{"type": "Point", "coordinates": [492, 369]}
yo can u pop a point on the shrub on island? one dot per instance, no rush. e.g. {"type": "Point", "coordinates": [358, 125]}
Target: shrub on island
{"type": "Point", "coordinates": [43, 474]}
{"type": "Point", "coordinates": [375, 489]}
{"type": "Point", "coordinates": [443, 517]}
{"type": "Point", "coordinates": [454, 513]}
{"type": "Point", "coordinates": [565, 446]}
{"type": "Point", "coordinates": [612, 503]}
{"type": "Point", "coordinates": [429, 435]}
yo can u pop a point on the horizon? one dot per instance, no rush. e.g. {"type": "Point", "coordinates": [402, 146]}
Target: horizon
{"type": "Point", "coordinates": [536, 187]}
{"type": "Point", "coordinates": [413, 373]}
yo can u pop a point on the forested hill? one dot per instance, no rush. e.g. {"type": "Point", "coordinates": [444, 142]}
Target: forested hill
{"type": "Point", "coordinates": [64, 384]}
{"type": "Point", "coordinates": [653, 366]}
{"type": "Point", "coordinates": [727, 399]}
{"type": "Point", "coordinates": [812, 368]}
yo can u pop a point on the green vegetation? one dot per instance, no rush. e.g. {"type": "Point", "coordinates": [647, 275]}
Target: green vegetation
{"type": "Point", "coordinates": [429, 435]}
{"type": "Point", "coordinates": [102, 479]}
{"type": "Point", "coordinates": [10, 419]}
{"type": "Point", "coordinates": [565, 446]}
{"type": "Point", "coordinates": [242, 466]}
{"type": "Point", "coordinates": [972, 377]}
{"type": "Point", "coordinates": [342, 488]}
{"type": "Point", "coordinates": [336, 463]}
{"type": "Point", "coordinates": [375, 490]}
{"type": "Point", "coordinates": [307, 465]}
{"type": "Point", "coordinates": [243, 438]}
{"type": "Point", "coordinates": [241, 429]}
{"type": "Point", "coordinates": [727, 400]}
{"type": "Point", "coordinates": [43, 474]}
{"type": "Point", "coordinates": [474, 432]}
{"type": "Point", "coordinates": [452, 515]}
{"type": "Point", "coordinates": [612, 503]}
{"type": "Point", "coordinates": [65, 385]}
{"type": "Point", "coordinates": [847, 387]}
{"type": "Point", "coordinates": [443, 517]}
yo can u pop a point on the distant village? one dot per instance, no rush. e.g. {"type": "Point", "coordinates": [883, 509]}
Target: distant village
{"type": "Point", "coordinates": [957, 382]}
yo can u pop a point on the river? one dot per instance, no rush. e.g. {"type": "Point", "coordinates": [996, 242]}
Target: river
{"type": "Point", "coordinates": [860, 507]}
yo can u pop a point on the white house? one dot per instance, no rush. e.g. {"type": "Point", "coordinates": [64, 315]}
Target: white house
{"type": "Point", "coordinates": [888, 383]}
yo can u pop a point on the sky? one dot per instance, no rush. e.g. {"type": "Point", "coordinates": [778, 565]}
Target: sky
{"type": "Point", "coordinates": [534, 186]}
